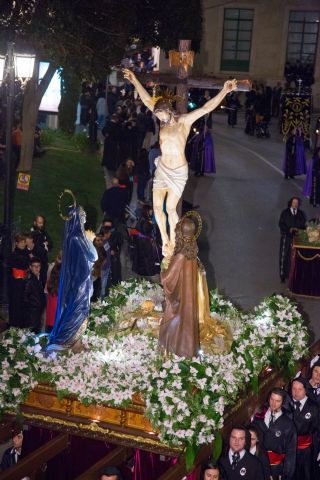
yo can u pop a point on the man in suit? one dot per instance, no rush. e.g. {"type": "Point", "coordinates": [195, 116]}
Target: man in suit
{"type": "Point", "coordinates": [305, 415]}
{"type": "Point", "coordinates": [291, 220]}
{"type": "Point", "coordinates": [13, 454]}
{"type": "Point", "coordinates": [238, 463]}
{"type": "Point", "coordinates": [278, 436]}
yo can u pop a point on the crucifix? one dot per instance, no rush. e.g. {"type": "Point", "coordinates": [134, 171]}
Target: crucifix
{"type": "Point", "coordinates": [172, 168]}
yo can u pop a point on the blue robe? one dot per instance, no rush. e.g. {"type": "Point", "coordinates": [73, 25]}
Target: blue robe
{"type": "Point", "coordinates": [75, 286]}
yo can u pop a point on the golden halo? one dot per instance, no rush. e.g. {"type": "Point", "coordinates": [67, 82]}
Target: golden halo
{"type": "Point", "coordinates": [193, 213]}
{"type": "Point", "coordinates": [66, 190]}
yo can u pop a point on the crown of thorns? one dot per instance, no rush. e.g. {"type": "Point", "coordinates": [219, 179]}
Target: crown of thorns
{"type": "Point", "coordinates": [165, 95]}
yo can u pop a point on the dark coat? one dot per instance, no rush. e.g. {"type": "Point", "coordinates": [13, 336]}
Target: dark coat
{"type": "Point", "coordinates": [248, 468]}
{"type": "Point", "coordinates": [114, 201]}
{"type": "Point", "coordinates": [9, 458]}
{"type": "Point", "coordinates": [288, 220]}
{"type": "Point", "coordinates": [111, 132]}
{"type": "Point", "coordinates": [19, 259]}
{"type": "Point", "coordinates": [34, 303]}
{"type": "Point", "coordinates": [280, 437]}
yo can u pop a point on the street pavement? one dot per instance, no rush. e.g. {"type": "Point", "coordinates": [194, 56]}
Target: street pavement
{"type": "Point", "coordinates": [240, 206]}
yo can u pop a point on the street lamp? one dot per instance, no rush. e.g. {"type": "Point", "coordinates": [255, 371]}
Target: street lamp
{"type": "Point", "coordinates": [11, 66]}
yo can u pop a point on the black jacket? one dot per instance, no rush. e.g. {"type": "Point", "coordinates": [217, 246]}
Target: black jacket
{"type": "Point", "coordinates": [248, 468]}
{"type": "Point", "coordinates": [288, 220]}
{"type": "Point", "coordinates": [42, 236]}
{"type": "Point", "coordinates": [307, 421]}
{"type": "Point", "coordinates": [280, 437]}
{"type": "Point", "coordinates": [9, 458]}
{"type": "Point", "coordinates": [313, 393]}
{"type": "Point", "coordinates": [114, 201]}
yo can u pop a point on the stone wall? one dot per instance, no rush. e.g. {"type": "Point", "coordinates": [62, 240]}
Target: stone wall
{"type": "Point", "coordinates": [269, 40]}
{"type": "Point", "coordinates": [268, 45]}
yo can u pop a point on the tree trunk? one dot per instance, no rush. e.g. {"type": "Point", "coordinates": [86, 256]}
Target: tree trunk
{"type": "Point", "coordinates": [70, 92]}
{"type": "Point", "coordinates": [31, 102]}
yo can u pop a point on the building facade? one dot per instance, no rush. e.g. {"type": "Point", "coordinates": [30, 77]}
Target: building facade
{"type": "Point", "coordinates": [257, 39]}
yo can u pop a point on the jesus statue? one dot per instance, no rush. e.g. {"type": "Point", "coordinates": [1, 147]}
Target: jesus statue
{"type": "Point", "coordinates": [172, 169]}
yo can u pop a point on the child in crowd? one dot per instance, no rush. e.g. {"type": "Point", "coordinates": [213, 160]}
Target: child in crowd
{"type": "Point", "coordinates": [34, 298]}
{"type": "Point", "coordinates": [18, 267]}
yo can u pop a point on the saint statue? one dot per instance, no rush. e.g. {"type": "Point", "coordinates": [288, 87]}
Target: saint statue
{"type": "Point", "coordinates": [172, 169]}
{"type": "Point", "coordinates": [186, 324]}
{"type": "Point", "coordinates": [76, 286]}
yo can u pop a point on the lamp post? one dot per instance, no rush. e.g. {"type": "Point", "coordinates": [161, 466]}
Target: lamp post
{"type": "Point", "coordinates": [22, 67]}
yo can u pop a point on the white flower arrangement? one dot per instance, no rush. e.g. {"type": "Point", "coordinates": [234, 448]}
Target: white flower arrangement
{"type": "Point", "coordinates": [185, 398]}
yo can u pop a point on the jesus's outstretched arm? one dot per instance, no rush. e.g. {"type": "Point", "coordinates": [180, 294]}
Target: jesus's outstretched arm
{"type": "Point", "coordinates": [191, 117]}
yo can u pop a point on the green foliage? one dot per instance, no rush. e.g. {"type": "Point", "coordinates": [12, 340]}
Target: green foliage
{"type": "Point", "coordinates": [218, 444]}
{"type": "Point", "coordinates": [82, 142]}
{"type": "Point", "coordinates": [61, 167]}
{"type": "Point", "coordinates": [47, 137]}
{"type": "Point", "coordinates": [185, 397]}
{"type": "Point", "coordinates": [191, 453]}
{"type": "Point", "coordinates": [88, 37]}
{"type": "Point", "coordinates": [164, 25]}
{"type": "Point", "coordinates": [85, 36]}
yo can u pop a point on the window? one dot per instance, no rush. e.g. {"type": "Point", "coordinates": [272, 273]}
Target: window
{"type": "Point", "coordinates": [303, 37]}
{"type": "Point", "coordinates": [236, 44]}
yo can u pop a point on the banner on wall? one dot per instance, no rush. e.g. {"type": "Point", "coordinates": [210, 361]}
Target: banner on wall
{"type": "Point", "coordinates": [296, 112]}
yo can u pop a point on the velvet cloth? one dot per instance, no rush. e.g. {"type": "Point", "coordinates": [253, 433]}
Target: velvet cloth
{"type": "Point", "coordinates": [312, 184]}
{"type": "Point", "coordinates": [52, 302]}
{"type": "Point", "coordinates": [75, 286]}
{"type": "Point", "coordinates": [304, 276]}
{"type": "Point", "coordinates": [202, 158]}
{"type": "Point", "coordinates": [179, 329]}
{"type": "Point", "coordinates": [294, 162]}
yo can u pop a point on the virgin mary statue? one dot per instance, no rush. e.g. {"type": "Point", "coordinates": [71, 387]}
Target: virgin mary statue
{"type": "Point", "coordinates": [75, 287]}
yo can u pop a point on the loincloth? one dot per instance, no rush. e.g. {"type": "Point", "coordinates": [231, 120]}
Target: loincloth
{"type": "Point", "coordinates": [173, 179]}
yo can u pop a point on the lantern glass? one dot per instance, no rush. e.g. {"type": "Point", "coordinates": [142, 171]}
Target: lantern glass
{"type": "Point", "coordinates": [24, 65]}
{"type": "Point", "coordinates": [2, 66]}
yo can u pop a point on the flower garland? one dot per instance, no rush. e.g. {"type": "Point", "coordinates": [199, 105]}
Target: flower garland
{"type": "Point", "coordinates": [185, 398]}
{"type": "Point", "coordinates": [20, 357]}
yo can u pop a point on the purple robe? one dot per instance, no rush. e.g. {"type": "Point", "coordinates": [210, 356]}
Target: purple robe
{"type": "Point", "coordinates": [204, 144]}
{"type": "Point", "coordinates": [311, 187]}
{"type": "Point", "coordinates": [297, 165]}
{"type": "Point", "coordinates": [308, 182]}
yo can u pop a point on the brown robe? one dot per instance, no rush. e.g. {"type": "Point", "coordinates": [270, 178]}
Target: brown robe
{"type": "Point", "coordinates": [179, 329]}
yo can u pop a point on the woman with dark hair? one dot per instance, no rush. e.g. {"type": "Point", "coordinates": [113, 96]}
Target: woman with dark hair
{"type": "Point", "coordinates": [313, 385]}
{"type": "Point", "coordinates": [210, 471]}
{"type": "Point", "coordinates": [257, 450]}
